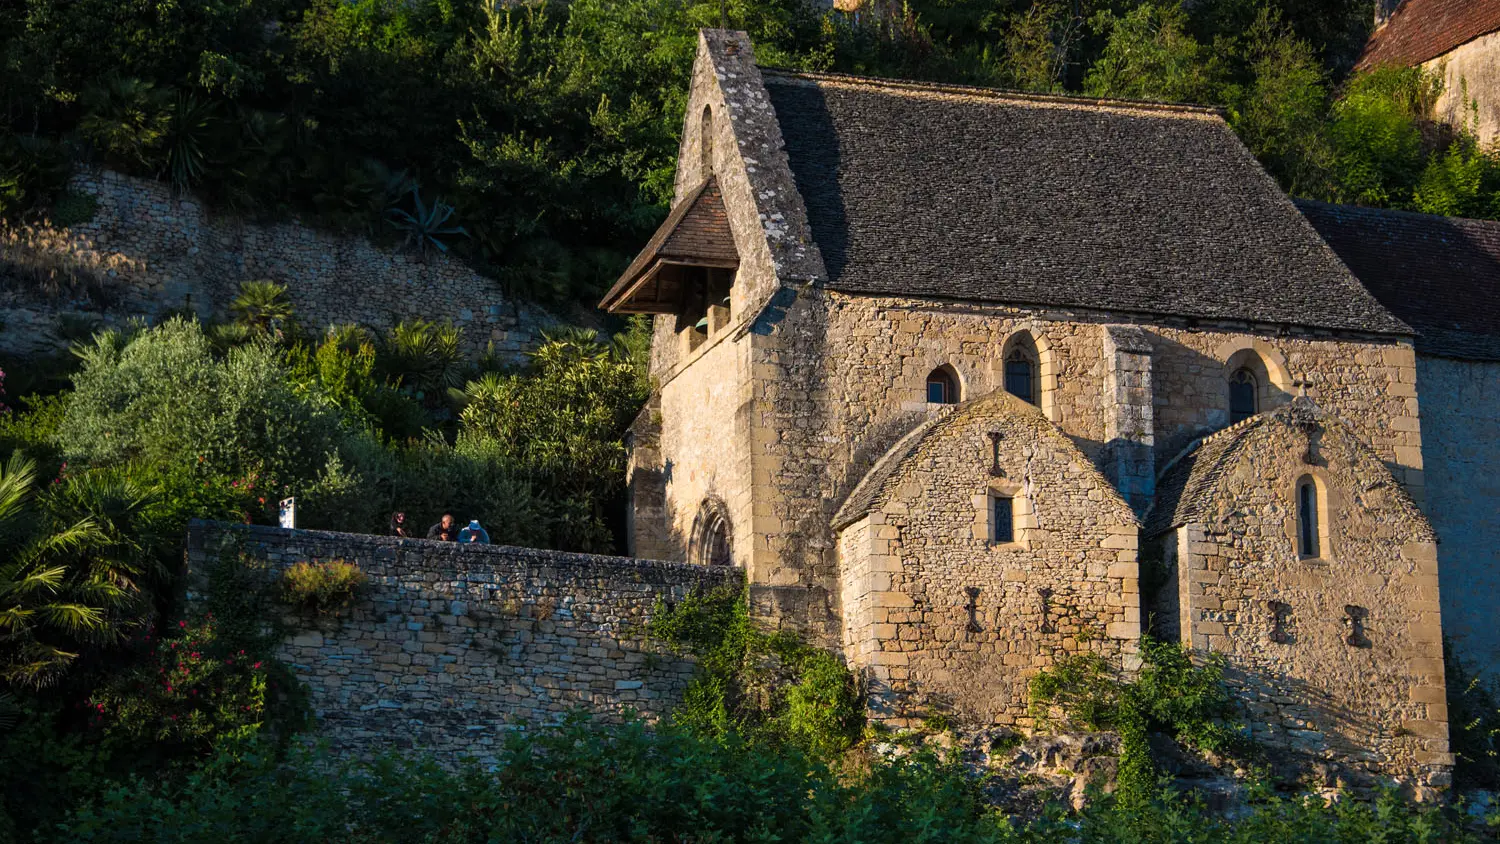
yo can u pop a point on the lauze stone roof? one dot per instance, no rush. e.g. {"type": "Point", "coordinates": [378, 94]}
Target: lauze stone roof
{"type": "Point", "coordinates": [919, 190]}
{"type": "Point", "coordinates": [1422, 30]}
{"type": "Point", "coordinates": [1441, 275]}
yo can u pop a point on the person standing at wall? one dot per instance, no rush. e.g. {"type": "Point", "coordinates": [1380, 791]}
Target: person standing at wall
{"type": "Point", "coordinates": [446, 530]}
{"type": "Point", "coordinates": [474, 533]}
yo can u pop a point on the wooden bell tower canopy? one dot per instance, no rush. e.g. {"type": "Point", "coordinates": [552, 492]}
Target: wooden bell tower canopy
{"type": "Point", "coordinates": [694, 237]}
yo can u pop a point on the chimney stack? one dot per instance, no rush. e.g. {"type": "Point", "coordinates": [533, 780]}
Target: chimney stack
{"type": "Point", "coordinates": [1383, 11]}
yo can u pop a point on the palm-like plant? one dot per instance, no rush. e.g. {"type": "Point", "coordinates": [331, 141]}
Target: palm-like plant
{"type": "Point", "coordinates": [50, 605]}
{"type": "Point", "coordinates": [262, 306]}
{"type": "Point", "coordinates": [125, 118]}
{"type": "Point", "coordinates": [424, 225]}
{"type": "Point", "coordinates": [424, 357]}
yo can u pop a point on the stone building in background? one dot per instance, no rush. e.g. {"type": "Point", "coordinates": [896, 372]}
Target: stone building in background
{"type": "Point", "coordinates": [958, 376]}
{"type": "Point", "coordinates": [1459, 39]}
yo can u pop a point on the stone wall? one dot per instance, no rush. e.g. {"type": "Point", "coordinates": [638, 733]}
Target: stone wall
{"type": "Point", "coordinates": [1337, 658]}
{"type": "Point", "coordinates": [159, 251]}
{"type": "Point", "coordinates": [838, 379]}
{"type": "Point", "coordinates": [453, 645]}
{"type": "Point", "coordinates": [1461, 449]}
{"type": "Point", "coordinates": [942, 616]}
{"type": "Point", "coordinates": [1472, 75]}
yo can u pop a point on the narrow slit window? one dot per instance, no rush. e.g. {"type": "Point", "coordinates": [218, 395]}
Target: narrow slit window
{"type": "Point", "coordinates": [941, 388]}
{"type": "Point", "coordinates": [1242, 395]}
{"type": "Point", "coordinates": [1002, 519]}
{"type": "Point", "coordinates": [1308, 540]}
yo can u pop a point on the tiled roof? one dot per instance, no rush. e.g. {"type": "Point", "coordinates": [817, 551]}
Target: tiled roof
{"type": "Point", "coordinates": [967, 193]}
{"type": "Point", "coordinates": [1185, 488]}
{"type": "Point", "coordinates": [1425, 29]}
{"type": "Point", "coordinates": [864, 496]}
{"type": "Point", "coordinates": [696, 232]}
{"type": "Point", "coordinates": [1441, 275]}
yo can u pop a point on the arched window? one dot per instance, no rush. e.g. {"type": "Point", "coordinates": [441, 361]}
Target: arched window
{"type": "Point", "coordinates": [1244, 392]}
{"type": "Point", "coordinates": [1020, 374]}
{"type": "Point", "coordinates": [706, 141]}
{"type": "Point", "coordinates": [942, 386]}
{"type": "Point", "coordinates": [712, 542]}
{"type": "Point", "coordinates": [1309, 538]}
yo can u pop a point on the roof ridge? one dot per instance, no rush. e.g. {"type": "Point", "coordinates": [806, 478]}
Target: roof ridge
{"type": "Point", "coordinates": [918, 86]}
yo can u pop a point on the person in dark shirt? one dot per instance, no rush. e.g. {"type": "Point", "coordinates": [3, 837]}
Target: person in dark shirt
{"type": "Point", "coordinates": [398, 524]}
{"type": "Point", "coordinates": [445, 530]}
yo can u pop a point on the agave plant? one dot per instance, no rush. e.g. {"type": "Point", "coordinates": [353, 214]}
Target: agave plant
{"type": "Point", "coordinates": [262, 306]}
{"type": "Point", "coordinates": [425, 225]}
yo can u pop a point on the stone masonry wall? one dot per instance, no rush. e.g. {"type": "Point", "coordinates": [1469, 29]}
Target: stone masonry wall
{"type": "Point", "coordinates": [162, 251]}
{"type": "Point", "coordinates": [1461, 448]}
{"type": "Point", "coordinates": [838, 379]}
{"type": "Point", "coordinates": [453, 645]}
{"type": "Point", "coordinates": [1338, 658]}
{"type": "Point", "coordinates": [943, 618]}
{"type": "Point", "coordinates": [1472, 75]}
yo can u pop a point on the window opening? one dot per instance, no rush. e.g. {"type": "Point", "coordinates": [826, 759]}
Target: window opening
{"type": "Point", "coordinates": [1020, 376]}
{"type": "Point", "coordinates": [941, 388]}
{"type": "Point", "coordinates": [1242, 395]}
{"type": "Point", "coordinates": [1003, 519]}
{"type": "Point", "coordinates": [1307, 519]}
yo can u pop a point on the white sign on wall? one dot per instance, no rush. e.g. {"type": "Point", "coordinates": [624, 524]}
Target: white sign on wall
{"type": "Point", "coordinates": [288, 512]}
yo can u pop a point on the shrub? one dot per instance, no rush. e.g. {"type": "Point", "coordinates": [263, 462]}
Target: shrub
{"type": "Point", "coordinates": [322, 587]}
{"type": "Point", "coordinates": [1170, 694]}
{"type": "Point", "coordinates": [73, 209]}
{"type": "Point", "coordinates": [162, 396]}
{"type": "Point", "coordinates": [190, 692]}
{"type": "Point", "coordinates": [771, 688]}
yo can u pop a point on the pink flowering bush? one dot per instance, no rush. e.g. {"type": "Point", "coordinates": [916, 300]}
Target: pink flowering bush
{"type": "Point", "coordinates": [192, 691]}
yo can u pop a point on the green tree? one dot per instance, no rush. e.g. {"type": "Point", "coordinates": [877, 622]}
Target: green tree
{"type": "Point", "coordinates": [1282, 113]}
{"type": "Point", "coordinates": [1379, 149]}
{"type": "Point", "coordinates": [1149, 55]}
{"type": "Point", "coordinates": [162, 397]}
{"type": "Point", "coordinates": [562, 423]}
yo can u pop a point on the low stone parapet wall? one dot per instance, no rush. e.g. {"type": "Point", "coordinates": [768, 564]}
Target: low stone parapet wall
{"type": "Point", "coordinates": [450, 645]}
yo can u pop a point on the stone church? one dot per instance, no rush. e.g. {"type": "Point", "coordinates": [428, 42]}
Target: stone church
{"type": "Point", "coordinates": [967, 380]}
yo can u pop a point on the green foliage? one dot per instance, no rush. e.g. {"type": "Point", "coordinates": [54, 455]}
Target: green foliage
{"type": "Point", "coordinates": [423, 357]}
{"type": "Point", "coordinates": [424, 225]}
{"type": "Point", "coordinates": [262, 307]}
{"type": "Point", "coordinates": [71, 569]}
{"type": "Point", "coordinates": [584, 782]}
{"type": "Point", "coordinates": [770, 688]}
{"type": "Point", "coordinates": [1473, 724]}
{"type": "Point", "coordinates": [162, 397]}
{"type": "Point", "coordinates": [1149, 55]}
{"type": "Point", "coordinates": [562, 424]}
{"type": "Point", "coordinates": [322, 587]}
{"type": "Point", "coordinates": [1169, 694]}
{"type": "Point", "coordinates": [73, 209]}
{"type": "Point", "coordinates": [127, 120]}
{"type": "Point", "coordinates": [32, 170]}
{"type": "Point", "coordinates": [1377, 135]}
{"type": "Point", "coordinates": [191, 692]}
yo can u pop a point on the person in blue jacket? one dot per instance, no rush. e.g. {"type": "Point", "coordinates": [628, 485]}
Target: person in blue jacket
{"type": "Point", "coordinates": [474, 533]}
